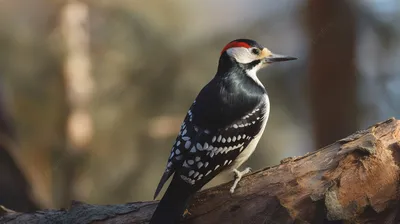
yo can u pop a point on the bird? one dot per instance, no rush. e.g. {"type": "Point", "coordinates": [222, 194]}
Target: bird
{"type": "Point", "coordinates": [220, 130]}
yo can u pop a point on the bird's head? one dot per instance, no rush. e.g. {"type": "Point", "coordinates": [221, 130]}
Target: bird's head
{"type": "Point", "coordinates": [250, 55]}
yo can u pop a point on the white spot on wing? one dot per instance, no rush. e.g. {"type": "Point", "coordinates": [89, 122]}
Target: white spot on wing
{"type": "Point", "coordinates": [185, 165]}
{"type": "Point", "coordinates": [187, 179]}
{"type": "Point", "coordinates": [218, 150]}
{"type": "Point", "coordinates": [191, 172]}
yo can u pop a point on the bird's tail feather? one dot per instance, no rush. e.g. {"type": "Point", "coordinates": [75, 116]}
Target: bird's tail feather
{"type": "Point", "coordinates": [167, 174]}
{"type": "Point", "coordinates": [173, 204]}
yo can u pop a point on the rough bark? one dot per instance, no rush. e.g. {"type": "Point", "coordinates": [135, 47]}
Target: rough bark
{"type": "Point", "coordinates": [354, 180]}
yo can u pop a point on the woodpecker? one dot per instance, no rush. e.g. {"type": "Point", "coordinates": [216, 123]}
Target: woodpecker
{"type": "Point", "coordinates": [221, 128]}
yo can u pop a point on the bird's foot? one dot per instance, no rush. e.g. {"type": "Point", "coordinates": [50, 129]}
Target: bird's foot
{"type": "Point", "coordinates": [186, 213]}
{"type": "Point", "coordinates": [238, 177]}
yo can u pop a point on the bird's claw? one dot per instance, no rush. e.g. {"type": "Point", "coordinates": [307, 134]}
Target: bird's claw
{"type": "Point", "coordinates": [238, 177]}
{"type": "Point", "coordinates": [247, 170]}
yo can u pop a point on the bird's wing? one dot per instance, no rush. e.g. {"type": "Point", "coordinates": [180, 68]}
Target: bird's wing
{"type": "Point", "coordinates": [199, 154]}
{"type": "Point", "coordinates": [213, 151]}
{"type": "Point", "coordinates": [179, 149]}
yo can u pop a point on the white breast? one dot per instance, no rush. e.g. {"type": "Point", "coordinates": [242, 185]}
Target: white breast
{"type": "Point", "coordinates": [253, 144]}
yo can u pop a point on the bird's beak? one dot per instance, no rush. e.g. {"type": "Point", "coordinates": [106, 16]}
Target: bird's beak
{"type": "Point", "coordinates": [271, 58]}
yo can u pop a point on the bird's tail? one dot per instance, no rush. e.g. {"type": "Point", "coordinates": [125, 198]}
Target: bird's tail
{"type": "Point", "coordinates": [173, 204]}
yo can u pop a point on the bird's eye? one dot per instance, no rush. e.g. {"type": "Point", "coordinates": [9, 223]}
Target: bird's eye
{"type": "Point", "coordinates": [256, 51]}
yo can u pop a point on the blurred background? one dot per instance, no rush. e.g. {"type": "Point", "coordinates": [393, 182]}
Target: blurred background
{"type": "Point", "coordinates": [92, 93]}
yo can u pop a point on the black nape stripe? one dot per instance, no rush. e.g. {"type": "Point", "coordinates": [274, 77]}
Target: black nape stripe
{"type": "Point", "coordinates": [251, 65]}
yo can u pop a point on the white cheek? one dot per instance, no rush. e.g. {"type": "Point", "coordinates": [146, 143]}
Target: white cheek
{"type": "Point", "coordinates": [241, 54]}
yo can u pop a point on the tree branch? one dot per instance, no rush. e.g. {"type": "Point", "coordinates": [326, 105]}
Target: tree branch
{"type": "Point", "coordinates": [355, 179]}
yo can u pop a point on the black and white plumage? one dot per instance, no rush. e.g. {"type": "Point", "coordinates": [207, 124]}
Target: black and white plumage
{"type": "Point", "coordinates": [221, 129]}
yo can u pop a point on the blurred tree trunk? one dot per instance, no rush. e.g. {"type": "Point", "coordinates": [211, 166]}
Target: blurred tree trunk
{"type": "Point", "coordinates": [31, 65]}
{"type": "Point", "coordinates": [332, 77]}
{"type": "Point", "coordinates": [15, 191]}
{"type": "Point", "coordinates": [78, 87]}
